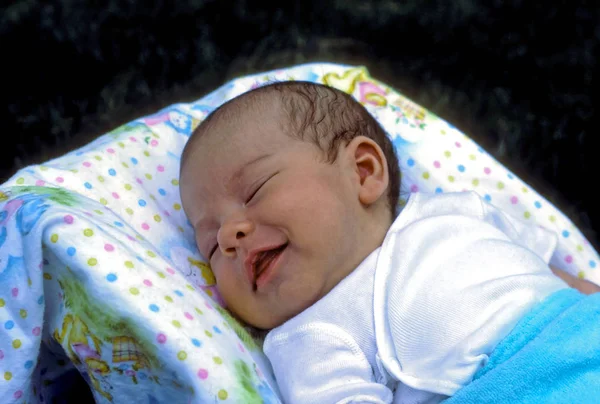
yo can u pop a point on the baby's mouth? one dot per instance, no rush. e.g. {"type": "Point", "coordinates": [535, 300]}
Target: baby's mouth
{"type": "Point", "coordinates": [264, 259]}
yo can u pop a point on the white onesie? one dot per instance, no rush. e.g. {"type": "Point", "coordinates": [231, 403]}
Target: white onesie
{"type": "Point", "coordinates": [422, 313]}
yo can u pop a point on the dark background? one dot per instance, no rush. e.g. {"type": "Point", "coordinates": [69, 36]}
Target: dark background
{"type": "Point", "coordinates": [519, 77]}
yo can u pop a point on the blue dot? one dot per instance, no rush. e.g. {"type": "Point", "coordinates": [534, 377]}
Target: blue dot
{"type": "Point", "coordinates": [87, 185]}
{"type": "Point", "coordinates": [480, 150]}
{"type": "Point", "coordinates": [565, 233]}
{"type": "Point", "coordinates": [79, 153]}
{"type": "Point", "coordinates": [461, 168]}
{"type": "Point", "coordinates": [153, 308]}
{"type": "Point", "coordinates": [592, 264]}
{"type": "Point", "coordinates": [537, 204]}
{"type": "Point", "coordinates": [178, 293]}
{"type": "Point", "coordinates": [410, 162]}
{"type": "Point", "coordinates": [196, 342]}
{"type": "Point", "coordinates": [111, 277]}
{"type": "Point", "coordinates": [112, 172]}
{"type": "Point", "coordinates": [142, 202]}
{"type": "Point", "coordinates": [487, 197]}
{"type": "Point", "coordinates": [118, 224]}
{"type": "Point", "coordinates": [439, 190]}
{"type": "Point", "coordinates": [41, 299]}
{"type": "Point", "coordinates": [216, 329]}
{"type": "Point", "coordinates": [134, 160]}
{"type": "Point", "coordinates": [28, 364]}
{"type": "Point", "coordinates": [71, 251]}
{"type": "Point", "coordinates": [162, 191]}
{"type": "Point", "coordinates": [141, 375]}
{"type": "Point", "coordinates": [140, 259]}
{"type": "Point", "coordinates": [510, 176]}
{"type": "Point", "coordinates": [9, 325]}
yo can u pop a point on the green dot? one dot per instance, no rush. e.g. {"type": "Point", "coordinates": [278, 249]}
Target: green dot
{"type": "Point", "coordinates": [16, 343]}
{"type": "Point", "coordinates": [579, 247]}
{"type": "Point", "coordinates": [197, 309]}
{"type": "Point", "coordinates": [121, 145]}
{"type": "Point", "coordinates": [190, 287]}
{"type": "Point", "coordinates": [47, 276]}
{"type": "Point", "coordinates": [146, 153]}
{"type": "Point", "coordinates": [152, 197]}
{"type": "Point", "coordinates": [20, 180]}
{"type": "Point", "coordinates": [222, 394]}
{"type": "Point", "coordinates": [103, 201]}
{"type": "Point", "coordinates": [148, 176]}
{"type": "Point", "coordinates": [218, 360]}
{"type": "Point", "coordinates": [161, 275]}
{"type": "Point", "coordinates": [181, 355]}
{"type": "Point", "coordinates": [92, 261]}
{"type": "Point", "coordinates": [129, 264]}
{"type": "Point", "coordinates": [127, 187]}
{"type": "Point", "coordinates": [43, 168]}
{"type": "Point", "coordinates": [472, 156]}
{"type": "Point", "coordinates": [527, 215]}
{"type": "Point", "coordinates": [134, 291]}
{"type": "Point", "coordinates": [88, 232]}
{"type": "Point", "coordinates": [475, 182]}
{"type": "Point", "coordinates": [169, 299]}
{"type": "Point", "coordinates": [3, 303]}
{"type": "Point", "coordinates": [552, 218]}
{"type": "Point", "coordinates": [124, 164]}
{"type": "Point", "coordinates": [177, 206]}
{"type": "Point", "coordinates": [98, 158]}
{"type": "Point", "coordinates": [23, 313]}
{"type": "Point", "coordinates": [451, 178]}
{"type": "Point", "coordinates": [98, 212]}
{"type": "Point", "coordinates": [500, 185]}
{"type": "Point", "coordinates": [208, 333]}
{"type": "Point", "coordinates": [157, 218]}
{"type": "Point", "coordinates": [176, 323]}
{"type": "Point", "coordinates": [100, 178]}
{"type": "Point", "coordinates": [54, 238]}
{"type": "Point", "coordinates": [7, 376]}
{"type": "Point", "coordinates": [129, 211]}
{"type": "Point", "coordinates": [447, 153]}
{"type": "Point", "coordinates": [426, 175]}
{"type": "Point", "coordinates": [74, 170]}
{"type": "Point", "coordinates": [175, 182]}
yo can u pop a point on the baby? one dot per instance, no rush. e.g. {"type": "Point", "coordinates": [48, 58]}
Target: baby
{"type": "Point", "coordinates": [292, 189]}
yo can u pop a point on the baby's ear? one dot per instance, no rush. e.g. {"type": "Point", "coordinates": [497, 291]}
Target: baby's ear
{"type": "Point", "coordinates": [370, 165]}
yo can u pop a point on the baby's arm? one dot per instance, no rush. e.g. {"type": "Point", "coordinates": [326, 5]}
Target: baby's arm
{"type": "Point", "coordinates": [581, 285]}
{"type": "Point", "coordinates": [321, 363]}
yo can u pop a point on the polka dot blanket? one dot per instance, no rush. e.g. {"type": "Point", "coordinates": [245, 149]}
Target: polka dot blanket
{"type": "Point", "coordinates": [100, 278]}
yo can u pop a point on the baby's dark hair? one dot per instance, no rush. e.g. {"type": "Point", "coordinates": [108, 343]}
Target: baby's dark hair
{"type": "Point", "coordinates": [320, 114]}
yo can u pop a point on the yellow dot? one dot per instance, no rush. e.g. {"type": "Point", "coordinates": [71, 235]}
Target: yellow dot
{"type": "Point", "coordinates": [169, 299]}
{"type": "Point", "coordinates": [218, 360]}
{"type": "Point", "coordinates": [451, 178]}
{"type": "Point", "coordinates": [152, 197]}
{"type": "Point", "coordinates": [579, 247]}
{"type": "Point", "coordinates": [92, 261]}
{"type": "Point", "coordinates": [177, 206]}
{"type": "Point", "coordinates": [88, 232]}
{"type": "Point", "coordinates": [180, 229]}
{"type": "Point", "coordinates": [124, 164]}
{"type": "Point", "coordinates": [54, 238]}
{"type": "Point", "coordinates": [525, 190]}
{"type": "Point", "coordinates": [552, 218]}
{"type": "Point", "coordinates": [148, 176]}
{"type": "Point", "coordinates": [134, 291]}
{"type": "Point", "coordinates": [175, 182]}
{"type": "Point", "coordinates": [98, 158]}
{"type": "Point", "coordinates": [3, 303]}
{"type": "Point", "coordinates": [29, 282]}
{"type": "Point", "coordinates": [209, 292]}
{"type": "Point", "coordinates": [161, 275]}
{"type": "Point", "coordinates": [47, 276]}
{"type": "Point", "coordinates": [176, 323]}
{"type": "Point", "coordinates": [16, 343]}
{"type": "Point", "coordinates": [127, 187]}
{"type": "Point", "coordinates": [222, 394]}
{"type": "Point", "coordinates": [581, 275]}
{"type": "Point", "coordinates": [129, 211]}
{"type": "Point", "coordinates": [181, 355]}
{"type": "Point", "coordinates": [527, 215]}
{"type": "Point", "coordinates": [157, 218]}
{"type": "Point", "coordinates": [146, 153]}
{"type": "Point", "coordinates": [208, 333]}
{"type": "Point", "coordinates": [139, 237]}
{"type": "Point", "coordinates": [121, 145]}
{"type": "Point", "coordinates": [100, 178]}
{"type": "Point", "coordinates": [475, 182]}
{"type": "Point", "coordinates": [151, 254]}
{"type": "Point", "coordinates": [443, 132]}
{"type": "Point", "coordinates": [190, 287]}
{"type": "Point", "coordinates": [500, 185]}
{"type": "Point", "coordinates": [197, 309]}
{"type": "Point", "coordinates": [447, 153]}
{"type": "Point", "coordinates": [472, 157]}
{"type": "Point", "coordinates": [155, 135]}
{"type": "Point", "coordinates": [43, 168]}
{"type": "Point", "coordinates": [103, 201]}
{"type": "Point", "coordinates": [74, 170]}
{"type": "Point", "coordinates": [23, 313]}
{"type": "Point", "coordinates": [129, 264]}
{"type": "Point", "coordinates": [7, 376]}
{"type": "Point", "coordinates": [426, 175]}
{"type": "Point", "coordinates": [98, 212]}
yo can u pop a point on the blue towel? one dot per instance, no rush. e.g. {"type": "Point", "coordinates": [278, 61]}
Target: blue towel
{"type": "Point", "coordinates": [552, 356]}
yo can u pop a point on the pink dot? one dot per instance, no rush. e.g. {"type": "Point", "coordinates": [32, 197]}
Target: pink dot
{"type": "Point", "coordinates": [88, 213]}
{"type": "Point", "coordinates": [241, 347]}
{"type": "Point", "coordinates": [1, 354]}
{"type": "Point", "coordinates": [487, 170]}
{"type": "Point", "coordinates": [208, 306]}
{"type": "Point", "coordinates": [18, 394]}
{"type": "Point", "coordinates": [167, 214]}
{"type": "Point", "coordinates": [188, 316]}
{"type": "Point", "coordinates": [147, 282]}
{"type": "Point", "coordinates": [109, 247]}
{"type": "Point", "coordinates": [87, 164]}
{"type": "Point", "coordinates": [145, 226]}
{"type": "Point", "coordinates": [414, 188]}
{"type": "Point", "coordinates": [514, 200]}
{"type": "Point", "coordinates": [133, 139]}
{"type": "Point", "coordinates": [457, 144]}
{"type": "Point", "coordinates": [138, 181]}
{"type": "Point", "coordinates": [68, 219]}
{"type": "Point", "coordinates": [170, 270]}
{"type": "Point", "coordinates": [568, 259]}
{"type": "Point", "coordinates": [15, 292]}
{"type": "Point", "coordinates": [161, 338]}
{"type": "Point", "coordinates": [39, 183]}
{"type": "Point", "coordinates": [36, 331]}
{"type": "Point", "coordinates": [436, 164]}
{"type": "Point", "coordinates": [110, 150]}
{"type": "Point", "coordinates": [60, 179]}
{"type": "Point", "coordinates": [130, 238]}
{"type": "Point", "coordinates": [129, 372]}
{"type": "Point", "coordinates": [160, 168]}
{"type": "Point", "coordinates": [203, 374]}
{"type": "Point", "coordinates": [115, 195]}
{"type": "Point", "coordinates": [154, 143]}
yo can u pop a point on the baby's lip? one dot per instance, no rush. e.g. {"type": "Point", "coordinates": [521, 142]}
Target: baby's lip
{"type": "Point", "coordinates": [252, 257]}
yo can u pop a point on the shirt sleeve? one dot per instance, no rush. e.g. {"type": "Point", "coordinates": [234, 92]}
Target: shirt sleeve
{"type": "Point", "coordinates": [321, 363]}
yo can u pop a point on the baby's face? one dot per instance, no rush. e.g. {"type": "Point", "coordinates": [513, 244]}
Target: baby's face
{"type": "Point", "coordinates": [276, 221]}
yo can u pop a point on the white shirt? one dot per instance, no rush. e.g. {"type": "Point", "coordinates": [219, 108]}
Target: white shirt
{"type": "Point", "coordinates": [421, 314]}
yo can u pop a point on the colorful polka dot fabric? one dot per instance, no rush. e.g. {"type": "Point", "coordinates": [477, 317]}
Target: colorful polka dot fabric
{"type": "Point", "coordinates": [100, 276]}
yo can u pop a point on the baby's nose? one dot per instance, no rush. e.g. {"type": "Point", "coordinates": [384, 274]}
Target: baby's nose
{"type": "Point", "coordinates": [231, 235]}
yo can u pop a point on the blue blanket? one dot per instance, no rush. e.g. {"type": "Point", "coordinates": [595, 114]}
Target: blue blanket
{"type": "Point", "coordinates": [552, 356]}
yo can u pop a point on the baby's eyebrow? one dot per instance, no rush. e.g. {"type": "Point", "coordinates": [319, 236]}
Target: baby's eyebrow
{"type": "Point", "coordinates": [238, 173]}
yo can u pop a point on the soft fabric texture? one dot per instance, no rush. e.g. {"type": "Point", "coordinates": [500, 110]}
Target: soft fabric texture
{"type": "Point", "coordinates": [452, 278]}
{"type": "Point", "coordinates": [99, 273]}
